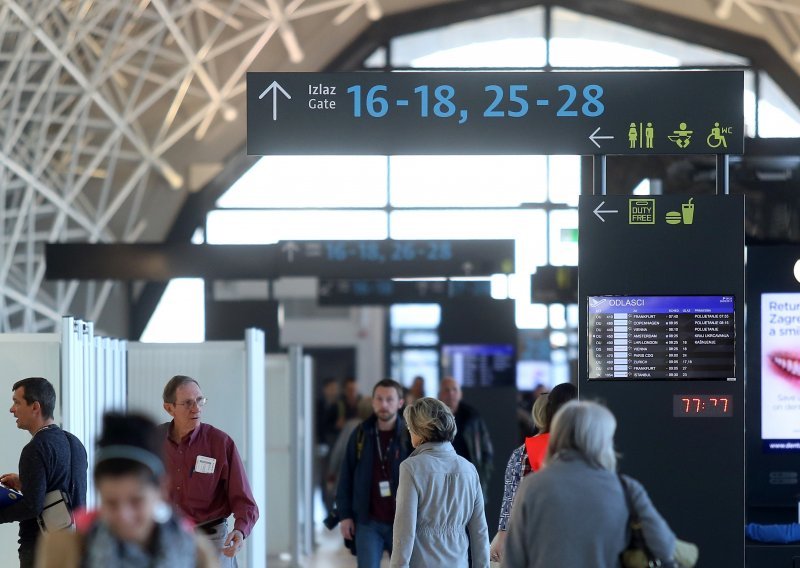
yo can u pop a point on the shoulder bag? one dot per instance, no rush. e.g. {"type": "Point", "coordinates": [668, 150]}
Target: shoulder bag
{"type": "Point", "coordinates": [56, 514]}
{"type": "Point", "coordinates": [636, 554]}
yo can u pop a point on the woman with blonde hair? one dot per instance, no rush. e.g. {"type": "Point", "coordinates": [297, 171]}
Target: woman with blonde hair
{"type": "Point", "coordinates": [579, 493]}
{"type": "Point", "coordinates": [439, 515]}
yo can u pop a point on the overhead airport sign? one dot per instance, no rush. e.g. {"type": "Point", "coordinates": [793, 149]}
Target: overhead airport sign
{"type": "Point", "coordinates": [323, 259]}
{"type": "Point", "coordinates": [341, 292]}
{"type": "Point", "coordinates": [581, 113]}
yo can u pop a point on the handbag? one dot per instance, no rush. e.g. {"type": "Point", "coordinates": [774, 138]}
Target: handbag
{"type": "Point", "coordinates": [636, 554]}
{"type": "Point", "coordinates": [56, 513]}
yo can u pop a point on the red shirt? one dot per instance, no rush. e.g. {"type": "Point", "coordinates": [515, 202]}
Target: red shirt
{"type": "Point", "coordinates": [208, 496]}
{"type": "Point", "coordinates": [536, 447]}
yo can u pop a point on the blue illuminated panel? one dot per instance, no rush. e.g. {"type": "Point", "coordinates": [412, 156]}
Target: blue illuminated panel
{"type": "Point", "coordinates": [662, 337]}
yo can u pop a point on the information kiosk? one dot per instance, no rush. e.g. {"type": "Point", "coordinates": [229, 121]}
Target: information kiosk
{"type": "Point", "coordinates": [662, 306]}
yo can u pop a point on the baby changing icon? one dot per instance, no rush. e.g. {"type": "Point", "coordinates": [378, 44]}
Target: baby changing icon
{"type": "Point", "coordinates": [682, 137]}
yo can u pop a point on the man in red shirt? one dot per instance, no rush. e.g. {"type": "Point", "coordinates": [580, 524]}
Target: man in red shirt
{"type": "Point", "coordinates": [207, 480]}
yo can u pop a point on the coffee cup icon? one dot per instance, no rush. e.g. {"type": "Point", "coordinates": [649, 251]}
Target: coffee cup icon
{"type": "Point", "coordinates": [687, 210]}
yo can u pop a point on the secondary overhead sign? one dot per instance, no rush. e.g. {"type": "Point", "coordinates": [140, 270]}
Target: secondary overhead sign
{"type": "Point", "coordinates": [582, 113]}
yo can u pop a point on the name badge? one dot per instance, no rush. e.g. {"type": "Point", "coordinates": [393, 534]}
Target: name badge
{"type": "Point", "coordinates": [205, 465]}
{"type": "Point", "coordinates": [386, 489]}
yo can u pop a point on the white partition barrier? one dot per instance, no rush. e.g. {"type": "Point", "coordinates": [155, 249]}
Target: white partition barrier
{"type": "Point", "coordinates": [279, 463]}
{"type": "Point", "coordinates": [257, 439]}
{"type": "Point", "coordinates": [93, 381]}
{"type": "Point", "coordinates": [226, 371]}
{"type": "Point", "coordinates": [22, 355]}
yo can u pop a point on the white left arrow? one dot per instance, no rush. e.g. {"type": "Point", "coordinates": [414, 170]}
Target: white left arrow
{"type": "Point", "coordinates": [598, 211]}
{"type": "Point", "coordinates": [274, 87]}
{"type": "Point", "coordinates": [594, 137]}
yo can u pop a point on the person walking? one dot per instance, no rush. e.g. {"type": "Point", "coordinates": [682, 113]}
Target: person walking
{"type": "Point", "coordinates": [574, 512]}
{"type": "Point", "coordinates": [207, 479]}
{"type": "Point", "coordinates": [365, 498]}
{"type": "Point", "coordinates": [472, 440]}
{"type": "Point", "coordinates": [440, 519]}
{"type": "Point", "coordinates": [53, 461]}
{"type": "Point", "coordinates": [134, 527]}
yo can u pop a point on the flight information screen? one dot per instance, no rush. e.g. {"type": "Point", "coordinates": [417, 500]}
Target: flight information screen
{"type": "Point", "coordinates": [662, 337]}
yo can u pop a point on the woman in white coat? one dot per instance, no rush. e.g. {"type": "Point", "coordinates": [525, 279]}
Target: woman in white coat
{"type": "Point", "coordinates": [439, 518]}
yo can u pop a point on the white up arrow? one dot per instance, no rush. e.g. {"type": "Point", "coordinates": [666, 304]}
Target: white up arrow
{"type": "Point", "coordinates": [274, 87]}
{"type": "Point", "coordinates": [597, 211]}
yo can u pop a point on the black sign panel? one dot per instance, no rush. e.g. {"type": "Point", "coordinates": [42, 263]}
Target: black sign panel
{"type": "Point", "coordinates": [661, 295]}
{"type": "Point", "coordinates": [324, 259]}
{"type": "Point", "coordinates": [555, 285]}
{"type": "Point", "coordinates": [581, 113]}
{"type": "Point", "coordinates": [396, 259]}
{"type": "Point", "coordinates": [387, 292]}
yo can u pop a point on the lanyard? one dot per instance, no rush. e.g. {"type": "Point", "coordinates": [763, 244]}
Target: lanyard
{"type": "Point", "coordinates": [381, 458]}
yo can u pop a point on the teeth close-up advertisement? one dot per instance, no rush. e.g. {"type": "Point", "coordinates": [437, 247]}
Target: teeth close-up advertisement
{"type": "Point", "coordinates": [780, 371]}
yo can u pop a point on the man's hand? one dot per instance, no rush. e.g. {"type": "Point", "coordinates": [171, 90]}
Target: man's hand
{"type": "Point", "coordinates": [233, 543]}
{"type": "Point", "coordinates": [11, 480]}
{"type": "Point", "coordinates": [348, 528]}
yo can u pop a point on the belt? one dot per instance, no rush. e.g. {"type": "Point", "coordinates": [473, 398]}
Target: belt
{"type": "Point", "coordinates": [209, 526]}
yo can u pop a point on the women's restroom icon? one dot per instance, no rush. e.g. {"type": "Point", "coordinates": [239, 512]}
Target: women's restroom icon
{"type": "Point", "coordinates": [641, 135]}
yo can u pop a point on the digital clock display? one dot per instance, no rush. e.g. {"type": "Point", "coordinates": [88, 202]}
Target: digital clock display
{"type": "Point", "coordinates": [702, 406]}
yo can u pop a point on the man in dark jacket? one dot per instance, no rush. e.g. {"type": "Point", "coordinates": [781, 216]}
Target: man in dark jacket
{"type": "Point", "coordinates": [53, 460]}
{"type": "Point", "coordinates": [472, 442]}
{"type": "Point", "coordinates": [370, 473]}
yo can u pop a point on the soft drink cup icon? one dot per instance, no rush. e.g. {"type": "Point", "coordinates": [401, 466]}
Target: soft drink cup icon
{"type": "Point", "coordinates": [687, 209]}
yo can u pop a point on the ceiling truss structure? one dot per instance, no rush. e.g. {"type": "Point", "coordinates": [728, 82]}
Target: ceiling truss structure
{"type": "Point", "coordinates": [103, 103]}
{"type": "Point", "coordinates": [94, 98]}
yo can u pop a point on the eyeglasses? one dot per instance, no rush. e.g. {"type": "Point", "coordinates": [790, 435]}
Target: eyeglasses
{"type": "Point", "coordinates": [189, 404]}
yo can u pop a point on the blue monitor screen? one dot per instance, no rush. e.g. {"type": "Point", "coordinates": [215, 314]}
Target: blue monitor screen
{"type": "Point", "coordinates": [662, 337]}
{"type": "Point", "coordinates": [480, 365]}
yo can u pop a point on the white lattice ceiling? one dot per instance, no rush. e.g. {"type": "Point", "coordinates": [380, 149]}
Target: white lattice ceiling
{"type": "Point", "coordinates": [106, 106]}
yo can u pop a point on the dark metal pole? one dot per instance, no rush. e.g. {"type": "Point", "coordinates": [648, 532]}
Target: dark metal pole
{"type": "Point", "coordinates": [723, 174]}
{"type": "Point", "coordinates": [599, 174]}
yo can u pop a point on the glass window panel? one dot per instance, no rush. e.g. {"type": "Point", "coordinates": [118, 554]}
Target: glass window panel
{"type": "Point", "coordinates": [564, 179]}
{"type": "Point", "coordinates": [749, 104]}
{"type": "Point", "coordinates": [563, 237]}
{"type": "Point", "coordinates": [521, 224]}
{"type": "Point", "coordinates": [531, 316]}
{"type": "Point", "coordinates": [415, 316]}
{"type": "Point", "coordinates": [778, 116]}
{"type": "Point", "coordinates": [310, 181]}
{"type": "Point", "coordinates": [572, 316]}
{"type": "Point", "coordinates": [377, 59]}
{"type": "Point", "coordinates": [558, 318]}
{"type": "Point", "coordinates": [409, 363]}
{"type": "Point", "coordinates": [180, 316]}
{"type": "Point", "coordinates": [587, 41]}
{"type": "Point", "coordinates": [514, 39]}
{"type": "Point", "coordinates": [420, 338]}
{"type": "Point", "coordinates": [265, 227]}
{"type": "Point", "coordinates": [467, 181]}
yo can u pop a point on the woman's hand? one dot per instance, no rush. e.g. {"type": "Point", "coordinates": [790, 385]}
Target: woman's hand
{"type": "Point", "coordinates": [497, 547]}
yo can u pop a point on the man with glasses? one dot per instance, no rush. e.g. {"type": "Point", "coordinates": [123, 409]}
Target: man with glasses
{"type": "Point", "coordinates": [207, 480]}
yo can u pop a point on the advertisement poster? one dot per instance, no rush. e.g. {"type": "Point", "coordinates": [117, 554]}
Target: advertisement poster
{"type": "Point", "coordinates": [780, 372]}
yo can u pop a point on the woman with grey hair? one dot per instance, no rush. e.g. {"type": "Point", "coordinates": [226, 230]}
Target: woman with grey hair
{"type": "Point", "coordinates": [439, 515]}
{"type": "Point", "coordinates": [578, 493]}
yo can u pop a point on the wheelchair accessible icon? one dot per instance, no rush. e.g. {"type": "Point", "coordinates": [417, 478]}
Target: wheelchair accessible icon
{"type": "Point", "coordinates": [717, 137]}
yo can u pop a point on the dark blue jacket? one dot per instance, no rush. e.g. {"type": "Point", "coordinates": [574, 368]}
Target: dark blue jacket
{"type": "Point", "coordinates": [355, 480]}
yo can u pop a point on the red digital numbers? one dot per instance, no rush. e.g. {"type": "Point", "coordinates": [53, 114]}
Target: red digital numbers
{"type": "Point", "coordinates": [702, 405]}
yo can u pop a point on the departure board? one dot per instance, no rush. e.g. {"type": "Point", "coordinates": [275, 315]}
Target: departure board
{"type": "Point", "coordinates": [662, 337]}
